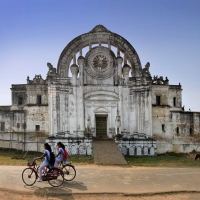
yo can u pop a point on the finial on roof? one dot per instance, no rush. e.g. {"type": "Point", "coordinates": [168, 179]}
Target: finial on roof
{"type": "Point", "coordinates": [99, 28]}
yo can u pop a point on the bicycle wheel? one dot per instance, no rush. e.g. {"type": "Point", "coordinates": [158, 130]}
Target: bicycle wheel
{"type": "Point", "coordinates": [29, 176]}
{"type": "Point", "coordinates": [55, 177]}
{"type": "Point", "coordinates": [69, 172]}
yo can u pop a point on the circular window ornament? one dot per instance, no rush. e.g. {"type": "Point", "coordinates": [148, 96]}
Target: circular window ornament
{"type": "Point", "coordinates": [99, 63]}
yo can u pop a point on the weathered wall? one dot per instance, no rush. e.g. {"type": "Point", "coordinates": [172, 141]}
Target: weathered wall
{"type": "Point", "coordinates": [174, 129]}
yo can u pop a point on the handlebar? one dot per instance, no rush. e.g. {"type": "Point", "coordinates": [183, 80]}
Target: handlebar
{"type": "Point", "coordinates": [33, 164]}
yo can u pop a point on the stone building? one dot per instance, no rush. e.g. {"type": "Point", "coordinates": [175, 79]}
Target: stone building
{"type": "Point", "coordinates": [110, 95]}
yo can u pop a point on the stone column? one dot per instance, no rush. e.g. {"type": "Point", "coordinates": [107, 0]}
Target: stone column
{"type": "Point", "coordinates": [126, 69]}
{"type": "Point", "coordinates": [81, 60]}
{"type": "Point", "coordinates": [119, 66]}
{"type": "Point", "coordinates": [74, 71]}
{"type": "Point", "coordinates": [50, 103]}
{"type": "Point", "coordinates": [138, 112]}
{"type": "Point", "coordinates": [54, 112]}
{"type": "Point", "coordinates": [121, 107]}
{"type": "Point", "coordinates": [149, 110]}
{"type": "Point", "coordinates": [146, 114]}
{"type": "Point", "coordinates": [134, 102]}
{"type": "Point", "coordinates": [142, 108]}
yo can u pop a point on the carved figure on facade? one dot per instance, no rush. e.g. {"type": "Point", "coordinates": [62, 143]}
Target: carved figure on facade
{"type": "Point", "coordinates": [27, 80]}
{"type": "Point", "coordinates": [145, 70]}
{"type": "Point", "coordinates": [117, 124]}
{"type": "Point", "coordinates": [138, 73]}
{"type": "Point", "coordinates": [36, 80]}
{"type": "Point", "coordinates": [52, 70]}
{"type": "Point", "coordinates": [159, 80]}
{"type": "Point", "coordinates": [71, 108]}
{"type": "Point", "coordinates": [88, 125]}
{"type": "Point", "coordinates": [120, 81]}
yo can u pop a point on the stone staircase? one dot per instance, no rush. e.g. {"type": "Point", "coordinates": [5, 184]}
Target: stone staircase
{"type": "Point", "coordinates": [106, 152]}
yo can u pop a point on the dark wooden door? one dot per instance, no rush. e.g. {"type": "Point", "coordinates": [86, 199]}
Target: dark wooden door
{"type": "Point", "coordinates": [101, 127]}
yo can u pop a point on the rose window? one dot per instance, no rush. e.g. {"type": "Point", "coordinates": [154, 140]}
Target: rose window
{"type": "Point", "coordinates": [100, 62]}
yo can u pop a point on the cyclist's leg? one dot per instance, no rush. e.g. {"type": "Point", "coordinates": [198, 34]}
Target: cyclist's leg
{"type": "Point", "coordinates": [57, 161]}
{"type": "Point", "coordinates": [42, 166]}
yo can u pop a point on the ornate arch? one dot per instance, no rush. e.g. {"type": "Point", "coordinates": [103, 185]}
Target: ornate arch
{"type": "Point", "coordinates": [99, 34]}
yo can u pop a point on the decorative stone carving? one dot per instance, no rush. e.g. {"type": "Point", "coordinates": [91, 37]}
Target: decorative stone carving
{"type": "Point", "coordinates": [98, 34]}
{"type": "Point", "coordinates": [37, 80]}
{"type": "Point", "coordinates": [99, 28]}
{"type": "Point", "coordinates": [52, 70]}
{"type": "Point", "coordinates": [117, 124]}
{"type": "Point", "coordinates": [88, 125]}
{"type": "Point", "coordinates": [82, 150]}
{"type": "Point", "coordinates": [137, 147]}
{"type": "Point", "coordinates": [100, 63]}
{"type": "Point", "coordinates": [145, 70]}
{"type": "Point", "coordinates": [159, 80]}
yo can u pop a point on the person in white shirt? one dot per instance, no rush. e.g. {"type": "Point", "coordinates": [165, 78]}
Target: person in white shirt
{"type": "Point", "coordinates": [45, 163]}
{"type": "Point", "coordinates": [59, 156]}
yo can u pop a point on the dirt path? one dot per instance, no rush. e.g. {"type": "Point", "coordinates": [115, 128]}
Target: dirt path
{"type": "Point", "coordinates": [7, 195]}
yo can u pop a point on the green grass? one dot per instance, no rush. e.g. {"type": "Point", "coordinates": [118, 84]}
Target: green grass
{"type": "Point", "coordinates": [79, 159]}
{"type": "Point", "coordinates": [165, 160]}
{"type": "Point", "coordinates": [15, 157]}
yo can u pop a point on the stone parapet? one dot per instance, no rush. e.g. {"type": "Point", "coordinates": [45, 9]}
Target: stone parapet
{"type": "Point", "coordinates": [137, 147]}
{"type": "Point", "coordinates": [74, 146]}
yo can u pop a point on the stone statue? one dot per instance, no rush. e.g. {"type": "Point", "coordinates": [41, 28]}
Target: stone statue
{"type": "Point", "coordinates": [88, 125]}
{"type": "Point", "coordinates": [27, 79]}
{"type": "Point", "coordinates": [50, 66]}
{"type": "Point", "coordinates": [147, 66]}
{"type": "Point", "coordinates": [52, 70]}
{"type": "Point", "coordinates": [117, 124]}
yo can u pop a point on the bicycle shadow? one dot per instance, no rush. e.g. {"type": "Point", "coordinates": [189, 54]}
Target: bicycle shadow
{"type": "Point", "coordinates": [65, 190]}
{"type": "Point", "coordinates": [75, 185]}
{"type": "Point", "coordinates": [59, 193]}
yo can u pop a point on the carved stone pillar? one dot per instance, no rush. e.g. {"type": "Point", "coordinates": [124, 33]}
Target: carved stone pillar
{"type": "Point", "coordinates": [81, 60]}
{"type": "Point", "coordinates": [119, 66]}
{"type": "Point", "coordinates": [126, 69]}
{"type": "Point", "coordinates": [74, 71]}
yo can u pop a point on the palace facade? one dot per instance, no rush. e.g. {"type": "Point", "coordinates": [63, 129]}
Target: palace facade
{"type": "Point", "coordinates": [109, 95]}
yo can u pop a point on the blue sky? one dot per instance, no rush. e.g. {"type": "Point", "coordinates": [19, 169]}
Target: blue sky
{"type": "Point", "coordinates": [165, 33]}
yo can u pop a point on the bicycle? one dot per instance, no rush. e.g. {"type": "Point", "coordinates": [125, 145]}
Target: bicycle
{"type": "Point", "coordinates": [69, 171]}
{"type": "Point", "coordinates": [54, 175]}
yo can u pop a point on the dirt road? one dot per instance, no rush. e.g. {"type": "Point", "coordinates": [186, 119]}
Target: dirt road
{"type": "Point", "coordinates": [7, 195]}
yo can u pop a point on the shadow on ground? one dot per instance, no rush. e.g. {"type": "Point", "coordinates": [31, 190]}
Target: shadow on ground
{"type": "Point", "coordinates": [65, 190]}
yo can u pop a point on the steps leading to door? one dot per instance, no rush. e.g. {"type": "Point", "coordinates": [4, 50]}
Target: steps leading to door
{"type": "Point", "coordinates": [106, 152]}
